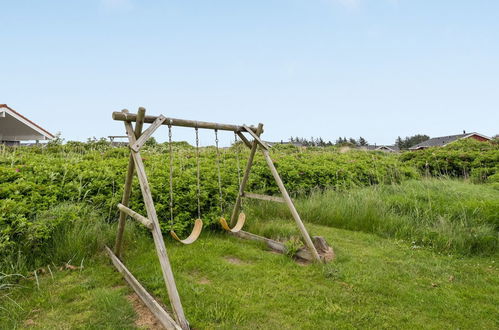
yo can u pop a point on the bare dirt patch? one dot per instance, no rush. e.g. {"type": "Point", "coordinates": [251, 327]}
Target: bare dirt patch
{"type": "Point", "coordinates": [145, 319]}
{"type": "Point", "coordinates": [203, 280]}
{"type": "Point", "coordinates": [234, 260]}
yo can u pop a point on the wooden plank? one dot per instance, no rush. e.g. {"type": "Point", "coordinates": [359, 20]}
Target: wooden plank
{"type": "Point", "coordinates": [163, 317]}
{"type": "Point", "coordinates": [166, 268]}
{"type": "Point", "coordinates": [244, 139]}
{"type": "Point", "coordinates": [291, 206]}
{"type": "Point", "coordinates": [140, 218]}
{"type": "Point", "coordinates": [257, 138]}
{"type": "Point", "coordinates": [244, 181]}
{"type": "Point", "coordinates": [303, 254]}
{"type": "Point", "coordinates": [132, 117]}
{"type": "Point", "coordinates": [147, 133]}
{"type": "Point", "coordinates": [127, 190]}
{"type": "Point", "coordinates": [264, 197]}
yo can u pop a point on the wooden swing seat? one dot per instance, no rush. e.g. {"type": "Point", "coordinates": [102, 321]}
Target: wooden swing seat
{"type": "Point", "coordinates": [239, 225]}
{"type": "Point", "coordinates": [196, 231]}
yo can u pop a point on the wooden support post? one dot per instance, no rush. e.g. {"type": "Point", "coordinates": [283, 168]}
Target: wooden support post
{"type": "Point", "coordinates": [291, 206]}
{"type": "Point", "coordinates": [244, 139]}
{"type": "Point", "coordinates": [163, 317]}
{"type": "Point", "coordinates": [157, 235]}
{"type": "Point", "coordinates": [127, 190]}
{"type": "Point", "coordinates": [257, 138]}
{"type": "Point", "coordinates": [244, 181]}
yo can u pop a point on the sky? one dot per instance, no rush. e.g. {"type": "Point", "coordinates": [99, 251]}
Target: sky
{"type": "Point", "coordinates": [372, 68]}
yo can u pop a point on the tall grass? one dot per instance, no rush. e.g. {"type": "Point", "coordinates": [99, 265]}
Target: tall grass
{"type": "Point", "coordinates": [68, 233]}
{"type": "Point", "coordinates": [447, 215]}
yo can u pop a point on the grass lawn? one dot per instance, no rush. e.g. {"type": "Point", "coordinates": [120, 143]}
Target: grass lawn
{"type": "Point", "coordinates": [226, 283]}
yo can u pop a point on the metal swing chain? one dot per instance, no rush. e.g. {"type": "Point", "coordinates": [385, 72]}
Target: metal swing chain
{"type": "Point", "coordinates": [171, 171]}
{"type": "Point", "coordinates": [238, 166]}
{"type": "Point", "coordinates": [198, 174]}
{"type": "Point", "coordinates": [219, 174]}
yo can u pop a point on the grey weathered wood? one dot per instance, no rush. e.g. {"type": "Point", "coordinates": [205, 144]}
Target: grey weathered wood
{"type": "Point", "coordinates": [244, 139]}
{"type": "Point", "coordinates": [291, 206]}
{"type": "Point", "coordinates": [303, 254]}
{"type": "Point", "coordinates": [131, 117]}
{"type": "Point", "coordinates": [163, 317]}
{"type": "Point", "coordinates": [157, 235]}
{"type": "Point", "coordinates": [147, 133]}
{"type": "Point", "coordinates": [264, 197]}
{"type": "Point", "coordinates": [244, 181]}
{"type": "Point", "coordinates": [140, 218]}
{"type": "Point", "coordinates": [127, 190]}
{"type": "Point", "coordinates": [257, 138]}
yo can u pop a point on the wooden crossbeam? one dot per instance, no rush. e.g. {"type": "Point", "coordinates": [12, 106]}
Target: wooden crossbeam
{"type": "Point", "coordinates": [132, 117]}
{"type": "Point", "coordinates": [140, 218]}
{"type": "Point", "coordinates": [264, 197]}
{"type": "Point", "coordinates": [163, 317]}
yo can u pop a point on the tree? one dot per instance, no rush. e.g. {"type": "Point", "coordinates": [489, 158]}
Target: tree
{"type": "Point", "coordinates": [410, 141]}
{"type": "Point", "coordinates": [362, 142]}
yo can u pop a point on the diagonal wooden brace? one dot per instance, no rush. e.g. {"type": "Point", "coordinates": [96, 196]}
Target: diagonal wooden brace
{"type": "Point", "coordinates": [147, 134]}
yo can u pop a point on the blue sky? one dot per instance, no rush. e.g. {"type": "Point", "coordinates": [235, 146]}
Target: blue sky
{"type": "Point", "coordinates": [371, 68]}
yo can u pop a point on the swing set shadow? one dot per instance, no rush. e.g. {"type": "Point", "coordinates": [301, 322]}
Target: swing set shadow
{"type": "Point", "coordinates": [316, 249]}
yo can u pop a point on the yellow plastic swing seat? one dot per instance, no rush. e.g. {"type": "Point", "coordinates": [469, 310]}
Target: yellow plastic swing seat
{"type": "Point", "coordinates": [239, 225]}
{"type": "Point", "coordinates": [196, 231]}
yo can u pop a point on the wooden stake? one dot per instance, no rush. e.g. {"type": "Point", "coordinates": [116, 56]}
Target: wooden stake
{"type": "Point", "coordinates": [244, 181]}
{"type": "Point", "coordinates": [163, 317]}
{"type": "Point", "coordinates": [291, 206]}
{"type": "Point", "coordinates": [127, 190]}
{"type": "Point", "coordinates": [157, 235]}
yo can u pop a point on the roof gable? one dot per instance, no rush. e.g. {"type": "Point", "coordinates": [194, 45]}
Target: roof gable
{"type": "Point", "coordinates": [16, 127]}
{"type": "Point", "coordinates": [445, 140]}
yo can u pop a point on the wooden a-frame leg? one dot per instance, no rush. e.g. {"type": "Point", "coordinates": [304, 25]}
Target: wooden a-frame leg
{"type": "Point", "coordinates": [244, 181]}
{"type": "Point", "coordinates": [127, 190]}
{"type": "Point", "coordinates": [157, 235]}
{"type": "Point", "coordinates": [291, 206]}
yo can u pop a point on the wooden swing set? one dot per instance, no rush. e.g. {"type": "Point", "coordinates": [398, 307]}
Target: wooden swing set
{"type": "Point", "coordinates": [319, 251]}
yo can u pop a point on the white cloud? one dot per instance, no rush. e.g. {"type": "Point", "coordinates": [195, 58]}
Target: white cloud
{"type": "Point", "coordinates": [121, 5]}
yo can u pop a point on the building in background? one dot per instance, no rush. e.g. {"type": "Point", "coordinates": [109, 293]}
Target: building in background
{"type": "Point", "coordinates": [15, 128]}
{"type": "Point", "coordinates": [442, 141]}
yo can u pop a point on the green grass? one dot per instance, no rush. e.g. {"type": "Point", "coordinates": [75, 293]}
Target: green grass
{"type": "Point", "coordinates": [93, 298]}
{"type": "Point", "coordinates": [228, 283]}
{"type": "Point", "coordinates": [374, 283]}
{"type": "Point", "coordinates": [383, 277]}
{"type": "Point", "coordinates": [448, 215]}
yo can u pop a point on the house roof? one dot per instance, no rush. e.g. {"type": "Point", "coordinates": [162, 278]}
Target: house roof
{"type": "Point", "coordinates": [380, 147]}
{"type": "Point", "coordinates": [445, 140]}
{"type": "Point", "coordinates": [16, 127]}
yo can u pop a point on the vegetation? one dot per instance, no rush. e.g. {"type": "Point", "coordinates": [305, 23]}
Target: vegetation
{"type": "Point", "coordinates": [461, 159]}
{"type": "Point", "coordinates": [410, 141]}
{"type": "Point", "coordinates": [408, 230]}
{"type": "Point", "coordinates": [228, 283]}
{"type": "Point", "coordinates": [448, 216]}
{"type": "Point", "coordinates": [34, 179]}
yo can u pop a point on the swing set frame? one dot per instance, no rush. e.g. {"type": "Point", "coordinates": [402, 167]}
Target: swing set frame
{"type": "Point", "coordinates": [136, 139]}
